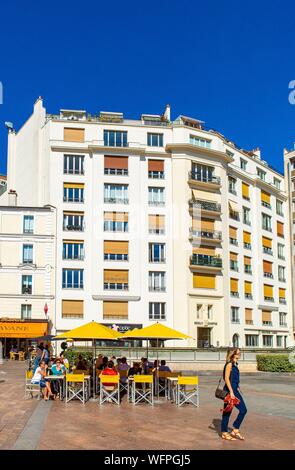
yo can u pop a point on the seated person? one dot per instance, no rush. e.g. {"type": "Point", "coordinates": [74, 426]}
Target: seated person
{"type": "Point", "coordinates": [98, 361]}
{"type": "Point", "coordinates": [64, 360]}
{"type": "Point", "coordinates": [104, 363]}
{"type": "Point", "coordinates": [135, 369]}
{"type": "Point", "coordinates": [81, 363]}
{"type": "Point", "coordinates": [123, 366]}
{"type": "Point", "coordinates": [145, 365]}
{"type": "Point", "coordinates": [39, 378]}
{"type": "Point", "coordinates": [57, 369]}
{"type": "Point", "coordinates": [14, 349]}
{"type": "Point", "coordinates": [109, 370]}
{"type": "Point", "coordinates": [163, 367]}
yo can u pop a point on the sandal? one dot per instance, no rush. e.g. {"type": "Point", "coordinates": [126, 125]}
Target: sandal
{"type": "Point", "coordinates": [227, 436]}
{"type": "Point", "coordinates": [237, 434]}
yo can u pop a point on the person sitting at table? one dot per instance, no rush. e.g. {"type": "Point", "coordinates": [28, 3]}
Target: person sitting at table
{"type": "Point", "coordinates": [82, 363]}
{"type": "Point", "coordinates": [104, 363]}
{"type": "Point", "coordinates": [109, 370]}
{"type": "Point", "coordinates": [39, 378]}
{"type": "Point", "coordinates": [98, 361]}
{"type": "Point", "coordinates": [14, 348]}
{"type": "Point", "coordinates": [145, 365]}
{"type": "Point", "coordinates": [57, 369]}
{"type": "Point", "coordinates": [64, 360]}
{"type": "Point", "coordinates": [135, 369]}
{"type": "Point", "coordinates": [163, 367]}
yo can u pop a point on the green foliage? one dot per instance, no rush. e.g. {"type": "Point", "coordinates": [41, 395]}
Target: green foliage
{"type": "Point", "coordinates": [72, 356]}
{"type": "Point", "coordinates": [274, 363]}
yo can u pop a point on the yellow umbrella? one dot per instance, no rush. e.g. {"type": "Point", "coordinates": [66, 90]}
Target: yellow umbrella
{"type": "Point", "coordinates": [90, 331]}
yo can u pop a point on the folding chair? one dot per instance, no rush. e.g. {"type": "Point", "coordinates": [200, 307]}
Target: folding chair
{"type": "Point", "coordinates": [171, 386]}
{"type": "Point", "coordinates": [145, 392]}
{"type": "Point", "coordinates": [123, 383]}
{"type": "Point", "coordinates": [76, 387]}
{"type": "Point", "coordinates": [31, 388]}
{"type": "Point", "coordinates": [187, 391]}
{"type": "Point", "coordinates": [21, 356]}
{"type": "Point", "coordinates": [12, 356]}
{"type": "Point", "coordinates": [162, 384]}
{"type": "Point", "coordinates": [109, 392]}
{"type": "Point", "coordinates": [87, 382]}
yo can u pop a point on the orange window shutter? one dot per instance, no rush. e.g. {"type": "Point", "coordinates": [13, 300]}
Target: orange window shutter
{"type": "Point", "coordinates": [247, 237]}
{"type": "Point", "coordinates": [116, 163]}
{"type": "Point", "coordinates": [267, 242]}
{"type": "Point", "coordinates": [248, 314]}
{"type": "Point", "coordinates": [234, 285]}
{"type": "Point", "coordinates": [267, 267]}
{"type": "Point", "coordinates": [280, 229]}
{"type": "Point", "coordinates": [207, 225]}
{"type": "Point", "coordinates": [204, 250]}
{"type": "Point", "coordinates": [74, 134]}
{"type": "Point", "coordinates": [233, 256]}
{"type": "Point", "coordinates": [266, 316]}
{"type": "Point", "coordinates": [247, 260]}
{"type": "Point", "coordinates": [156, 165]}
{"type": "Point", "coordinates": [233, 232]}
{"type": "Point", "coordinates": [204, 281]}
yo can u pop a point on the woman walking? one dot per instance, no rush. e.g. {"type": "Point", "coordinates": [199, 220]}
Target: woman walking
{"type": "Point", "coordinates": [231, 376]}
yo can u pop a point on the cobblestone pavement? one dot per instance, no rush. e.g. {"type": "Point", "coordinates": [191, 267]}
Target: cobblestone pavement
{"type": "Point", "coordinates": [269, 424]}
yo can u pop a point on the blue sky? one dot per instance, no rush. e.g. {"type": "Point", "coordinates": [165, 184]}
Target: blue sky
{"type": "Point", "coordinates": [224, 62]}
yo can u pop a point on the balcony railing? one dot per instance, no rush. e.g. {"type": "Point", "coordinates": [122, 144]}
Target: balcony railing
{"type": "Point", "coordinates": [157, 231]}
{"type": "Point", "coordinates": [116, 200]}
{"type": "Point", "coordinates": [284, 324]}
{"type": "Point", "coordinates": [157, 260]}
{"type": "Point", "coordinates": [73, 171]}
{"type": "Point", "coordinates": [204, 179]}
{"type": "Point", "coordinates": [248, 269]}
{"type": "Point", "coordinates": [265, 274]}
{"type": "Point", "coordinates": [268, 251]}
{"type": "Point", "coordinates": [234, 294]}
{"type": "Point", "coordinates": [157, 175]}
{"type": "Point", "coordinates": [249, 322]}
{"type": "Point", "coordinates": [115, 257]}
{"type": "Point", "coordinates": [269, 299]}
{"type": "Point", "coordinates": [74, 228]}
{"type": "Point", "coordinates": [157, 288]}
{"type": "Point", "coordinates": [115, 286]}
{"type": "Point", "coordinates": [116, 171]}
{"type": "Point", "coordinates": [282, 300]}
{"type": "Point", "coordinates": [78, 285]}
{"type": "Point", "coordinates": [266, 204]}
{"type": "Point", "coordinates": [27, 261]}
{"type": "Point", "coordinates": [235, 320]}
{"type": "Point", "coordinates": [206, 205]}
{"type": "Point", "coordinates": [206, 260]}
{"type": "Point", "coordinates": [209, 234]}
{"type": "Point", "coordinates": [233, 241]}
{"type": "Point", "coordinates": [156, 203]}
{"type": "Point", "coordinates": [247, 246]}
{"type": "Point", "coordinates": [73, 199]}
{"type": "Point", "coordinates": [27, 290]}
{"type": "Point", "coordinates": [249, 296]}
{"type": "Point", "coordinates": [74, 257]}
{"type": "Point", "coordinates": [267, 323]}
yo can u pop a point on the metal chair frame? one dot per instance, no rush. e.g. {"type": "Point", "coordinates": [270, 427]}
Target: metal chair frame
{"type": "Point", "coordinates": [31, 388]}
{"type": "Point", "coordinates": [144, 394]}
{"type": "Point", "coordinates": [123, 374]}
{"type": "Point", "coordinates": [187, 395]}
{"type": "Point", "coordinates": [76, 387]}
{"type": "Point", "coordinates": [112, 395]}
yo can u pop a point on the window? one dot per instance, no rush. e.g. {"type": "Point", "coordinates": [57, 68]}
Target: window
{"type": "Point", "coordinates": [154, 140]}
{"type": "Point", "coordinates": [157, 224]}
{"type": "Point", "coordinates": [281, 249]}
{"type": "Point", "coordinates": [115, 138]}
{"type": "Point", "coordinates": [243, 164]}
{"type": "Point", "coordinates": [204, 173]}
{"type": "Point", "coordinates": [73, 221]}
{"type": "Point", "coordinates": [281, 273]}
{"type": "Point", "coordinates": [116, 221]}
{"type": "Point", "coordinates": [116, 279]}
{"type": "Point", "coordinates": [157, 253]}
{"type": "Point", "coordinates": [248, 290]}
{"type": "Point", "coordinates": [247, 265]}
{"type": "Point", "coordinates": [267, 341]}
{"type": "Point", "coordinates": [157, 281]}
{"type": "Point", "coordinates": [265, 199]}
{"type": "Point", "coordinates": [277, 183]}
{"type": "Point", "coordinates": [246, 191]}
{"type": "Point", "coordinates": [267, 245]}
{"type": "Point", "coordinates": [156, 169]}
{"type": "Point", "coordinates": [261, 174]}
{"type": "Point", "coordinates": [246, 216]}
{"type": "Point", "coordinates": [73, 134]}
{"type": "Point", "coordinates": [27, 253]}
{"type": "Point", "coordinates": [199, 141]}
{"type": "Point", "coordinates": [252, 341]}
{"type": "Point", "coordinates": [234, 261]}
{"type": "Point", "coordinates": [210, 312]}
{"type": "Point", "coordinates": [235, 315]}
{"type": "Point", "coordinates": [73, 249]}
{"type": "Point", "coordinates": [118, 310]}
{"type": "Point", "coordinates": [232, 185]}
{"type": "Point", "coordinates": [279, 205]}
{"type": "Point", "coordinates": [199, 311]}
{"type": "Point", "coordinates": [279, 341]}
{"type": "Point", "coordinates": [282, 319]}
{"type": "Point", "coordinates": [115, 165]}
{"type": "Point", "coordinates": [116, 193]}
{"type": "Point", "coordinates": [26, 284]}
{"type": "Point", "coordinates": [282, 296]}
{"type": "Point", "coordinates": [204, 281]}
{"type": "Point", "coordinates": [266, 222]}
{"type": "Point", "coordinates": [267, 269]}
{"type": "Point", "coordinates": [72, 308]}
{"type": "Point", "coordinates": [156, 196]}
{"type": "Point", "coordinates": [157, 311]}
{"type": "Point", "coordinates": [268, 293]}
{"type": "Point", "coordinates": [233, 210]}
{"type": "Point", "coordinates": [72, 279]}
{"type": "Point", "coordinates": [73, 192]}
{"type": "Point", "coordinates": [247, 240]}
{"type": "Point", "coordinates": [280, 229]}
{"type": "Point", "coordinates": [233, 236]}
{"type": "Point", "coordinates": [74, 164]}
{"type": "Point", "coordinates": [26, 312]}
{"type": "Point", "coordinates": [28, 226]}
{"type": "Point", "coordinates": [116, 250]}
{"type": "Point", "coordinates": [234, 287]}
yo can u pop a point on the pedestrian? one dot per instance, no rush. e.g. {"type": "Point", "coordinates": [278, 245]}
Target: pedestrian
{"type": "Point", "coordinates": [231, 376]}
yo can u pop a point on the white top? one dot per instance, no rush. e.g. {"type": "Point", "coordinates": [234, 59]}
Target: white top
{"type": "Point", "coordinates": [37, 376]}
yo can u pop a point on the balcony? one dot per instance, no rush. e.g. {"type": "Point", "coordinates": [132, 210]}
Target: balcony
{"type": "Point", "coordinates": [203, 182]}
{"type": "Point", "coordinates": [234, 294]}
{"type": "Point", "coordinates": [206, 235]}
{"type": "Point", "coordinates": [283, 301]}
{"type": "Point", "coordinates": [205, 262]}
{"type": "Point", "coordinates": [208, 208]}
{"type": "Point", "coordinates": [157, 288]}
{"type": "Point", "coordinates": [74, 228]}
{"type": "Point", "coordinates": [267, 323]}
{"type": "Point", "coordinates": [267, 251]}
{"type": "Point", "coordinates": [116, 200]}
{"type": "Point", "coordinates": [115, 286]}
{"type": "Point", "coordinates": [156, 175]}
{"type": "Point", "coordinates": [270, 275]}
{"type": "Point", "coordinates": [116, 171]}
{"type": "Point", "coordinates": [269, 299]}
{"type": "Point", "coordinates": [73, 199]}
{"type": "Point", "coordinates": [247, 246]}
{"type": "Point", "coordinates": [233, 241]}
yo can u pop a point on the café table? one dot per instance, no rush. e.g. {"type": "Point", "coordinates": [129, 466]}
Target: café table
{"type": "Point", "coordinates": [62, 379]}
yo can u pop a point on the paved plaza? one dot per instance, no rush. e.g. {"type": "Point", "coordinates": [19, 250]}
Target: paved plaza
{"type": "Point", "coordinates": [33, 424]}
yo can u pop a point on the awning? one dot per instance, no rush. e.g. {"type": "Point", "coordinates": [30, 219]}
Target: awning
{"type": "Point", "coordinates": [233, 206]}
{"type": "Point", "coordinates": [23, 329]}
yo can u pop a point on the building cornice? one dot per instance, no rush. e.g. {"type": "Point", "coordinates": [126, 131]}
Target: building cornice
{"type": "Point", "coordinates": [25, 236]}
{"type": "Point", "coordinates": [119, 297]}
{"type": "Point", "coordinates": [194, 149]}
{"type": "Point", "coordinates": [28, 297]}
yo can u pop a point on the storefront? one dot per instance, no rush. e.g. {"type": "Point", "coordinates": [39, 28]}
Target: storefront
{"type": "Point", "coordinates": [20, 334]}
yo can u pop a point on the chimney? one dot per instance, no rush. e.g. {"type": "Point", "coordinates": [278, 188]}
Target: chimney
{"type": "Point", "coordinates": [12, 198]}
{"type": "Point", "coordinates": [257, 152]}
{"type": "Point", "coordinates": [167, 114]}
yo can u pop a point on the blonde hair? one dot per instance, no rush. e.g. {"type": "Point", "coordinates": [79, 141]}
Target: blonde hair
{"type": "Point", "coordinates": [231, 352]}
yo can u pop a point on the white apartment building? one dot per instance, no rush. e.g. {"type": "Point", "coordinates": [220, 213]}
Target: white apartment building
{"type": "Point", "coordinates": [27, 273]}
{"type": "Point", "coordinates": [3, 184]}
{"type": "Point", "coordinates": [159, 220]}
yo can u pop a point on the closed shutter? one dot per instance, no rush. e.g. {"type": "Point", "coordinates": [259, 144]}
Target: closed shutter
{"type": "Point", "coordinates": [72, 308]}
{"type": "Point", "coordinates": [265, 197]}
{"type": "Point", "coordinates": [74, 134]}
{"type": "Point", "coordinates": [247, 237]}
{"type": "Point", "coordinates": [266, 316]}
{"type": "Point", "coordinates": [204, 281]}
{"type": "Point", "coordinates": [234, 285]}
{"type": "Point", "coordinates": [156, 165]}
{"type": "Point", "coordinates": [204, 250]}
{"type": "Point", "coordinates": [247, 260]}
{"type": "Point", "coordinates": [116, 163]}
{"type": "Point", "coordinates": [248, 287]}
{"type": "Point", "coordinates": [115, 309]}
{"type": "Point", "coordinates": [74, 185]}
{"type": "Point", "coordinates": [207, 225]}
{"type": "Point", "coordinates": [267, 242]}
{"type": "Point", "coordinates": [248, 314]}
{"type": "Point", "coordinates": [156, 221]}
{"type": "Point", "coordinates": [73, 213]}
{"type": "Point", "coordinates": [282, 293]}
{"type": "Point", "coordinates": [116, 216]}
{"type": "Point", "coordinates": [245, 190]}
{"type": "Point", "coordinates": [116, 247]}
{"type": "Point", "coordinates": [267, 267]}
{"type": "Point", "coordinates": [75, 242]}
{"type": "Point", "coordinates": [280, 229]}
{"type": "Point", "coordinates": [233, 232]}
{"type": "Point", "coordinates": [196, 225]}
{"type": "Point", "coordinates": [233, 256]}
{"type": "Point", "coordinates": [268, 290]}
{"type": "Point", "coordinates": [116, 276]}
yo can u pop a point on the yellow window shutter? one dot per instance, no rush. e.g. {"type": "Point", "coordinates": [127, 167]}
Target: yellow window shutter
{"type": "Point", "coordinates": [204, 281]}
{"type": "Point", "coordinates": [265, 197]}
{"type": "Point", "coordinates": [74, 134]}
{"type": "Point", "coordinates": [115, 309]}
{"type": "Point", "coordinates": [268, 290]}
{"type": "Point", "coordinates": [204, 250]}
{"type": "Point", "coordinates": [247, 237]}
{"type": "Point", "coordinates": [116, 247]}
{"type": "Point", "coordinates": [233, 232]}
{"type": "Point", "coordinates": [282, 293]}
{"type": "Point", "coordinates": [116, 276]}
{"type": "Point", "coordinates": [267, 242]}
{"type": "Point", "coordinates": [74, 185]}
{"type": "Point", "coordinates": [245, 190]}
{"type": "Point", "coordinates": [234, 285]}
{"type": "Point", "coordinates": [248, 287]}
{"type": "Point", "coordinates": [266, 316]}
{"type": "Point", "coordinates": [248, 314]}
{"type": "Point", "coordinates": [207, 225]}
{"type": "Point", "coordinates": [74, 308]}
